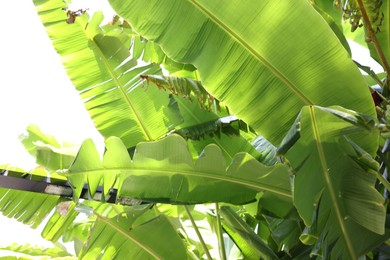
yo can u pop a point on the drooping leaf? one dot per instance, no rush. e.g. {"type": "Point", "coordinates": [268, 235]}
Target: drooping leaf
{"type": "Point", "coordinates": [263, 78]}
{"type": "Point", "coordinates": [197, 122]}
{"type": "Point", "coordinates": [324, 8]}
{"type": "Point", "coordinates": [229, 125]}
{"type": "Point", "coordinates": [59, 222]}
{"type": "Point", "coordinates": [149, 51]}
{"type": "Point", "coordinates": [156, 239]}
{"type": "Point", "coordinates": [47, 150]}
{"type": "Point", "coordinates": [66, 212]}
{"type": "Point", "coordinates": [27, 207]}
{"type": "Point", "coordinates": [102, 70]}
{"type": "Point", "coordinates": [372, 78]}
{"type": "Point", "coordinates": [164, 171]}
{"type": "Point", "coordinates": [267, 150]}
{"type": "Point", "coordinates": [244, 237]}
{"type": "Point", "coordinates": [285, 232]}
{"type": "Point", "coordinates": [334, 189]}
{"type": "Point", "coordinates": [184, 87]}
{"type": "Point", "coordinates": [35, 134]}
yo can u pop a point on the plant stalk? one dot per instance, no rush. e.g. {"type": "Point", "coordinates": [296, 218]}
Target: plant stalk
{"type": "Point", "coordinates": [382, 180]}
{"type": "Point", "coordinates": [374, 40]}
{"type": "Point", "coordinates": [222, 251]}
{"type": "Point", "coordinates": [204, 246]}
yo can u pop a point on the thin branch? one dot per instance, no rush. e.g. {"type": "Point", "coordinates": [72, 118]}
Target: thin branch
{"type": "Point", "coordinates": [374, 40]}
{"type": "Point", "coordinates": [204, 246]}
{"type": "Point", "coordinates": [221, 243]}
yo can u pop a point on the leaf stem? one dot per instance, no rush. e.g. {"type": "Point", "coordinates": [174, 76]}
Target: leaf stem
{"type": "Point", "coordinates": [204, 246]}
{"type": "Point", "coordinates": [382, 180]}
{"type": "Point", "coordinates": [374, 40]}
{"type": "Point", "coordinates": [221, 243]}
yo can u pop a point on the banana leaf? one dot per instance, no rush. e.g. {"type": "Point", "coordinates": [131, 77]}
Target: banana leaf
{"type": "Point", "coordinates": [66, 213]}
{"type": "Point", "coordinates": [26, 207]}
{"type": "Point", "coordinates": [184, 87]}
{"type": "Point", "coordinates": [264, 59]}
{"type": "Point", "coordinates": [100, 66]}
{"type": "Point", "coordinates": [163, 171]}
{"type": "Point", "coordinates": [245, 238]}
{"type": "Point", "coordinates": [156, 239]}
{"type": "Point", "coordinates": [48, 152]}
{"type": "Point", "coordinates": [334, 180]}
{"type": "Point", "coordinates": [57, 252]}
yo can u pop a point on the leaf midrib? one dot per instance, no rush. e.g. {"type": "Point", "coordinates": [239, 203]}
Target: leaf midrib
{"type": "Point", "coordinates": [134, 240]}
{"type": "Point", "coordinates": [119, 85]}
{"type": "Point", "coordinates": [329, 186]}
{"type": "Point", "coordinates": [207, 175]}
{"type": "Point", "coordinates": [254, 53]}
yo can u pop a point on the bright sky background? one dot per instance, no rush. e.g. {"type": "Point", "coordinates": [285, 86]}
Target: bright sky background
{"type": "Point", "coordinates": [34, 88]}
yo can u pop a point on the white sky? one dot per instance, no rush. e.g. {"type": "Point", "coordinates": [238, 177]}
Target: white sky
{"type": "Point", "coordinates": [34, 88]}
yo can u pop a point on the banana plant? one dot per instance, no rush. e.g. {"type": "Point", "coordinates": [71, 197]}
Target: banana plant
{"type": "Point", "coordinates": [302, 182]}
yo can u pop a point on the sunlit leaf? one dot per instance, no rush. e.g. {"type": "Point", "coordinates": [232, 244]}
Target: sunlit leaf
{"type": "Point", "coordinates": [246, 63]}
{"type": "Point", "coordinates": [164, 171]}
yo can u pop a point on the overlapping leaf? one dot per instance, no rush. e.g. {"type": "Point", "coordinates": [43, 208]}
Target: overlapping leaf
{"type": "Point", "coordinates": [261, 74]}
{"type": "Point", "coordinates": [101, 68]}
{"type": "Point", "coordinates": [334, 189]}
{"type": "Point", "coordinates": [47, 150]}
{"type": "Point", "coordinates": [184, 87]}
{"type": "Point", "coordinates": [112, 239]}
{"type": "Point", "coordinates": [26, 207]}
{"type": "Point", "coordinates": [245, 238]}
{"type": "Point", "coordinates": [164, 171]}
{"type": "Point", "coordinates": [66, 212]}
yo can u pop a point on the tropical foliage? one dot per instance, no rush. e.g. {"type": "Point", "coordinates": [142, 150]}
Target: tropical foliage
{"type": "Point", "coordinates": [232, 131]}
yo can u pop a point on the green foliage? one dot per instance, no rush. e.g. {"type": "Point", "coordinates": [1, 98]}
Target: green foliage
{"type": "Point", "coordinates": [119, 242]}
{"type": "Point", "coordinates": [25, 207]}
{"type": "Point", "coordinates": [47, 150]}
{"type": "Point", "coordinates": [311, 191]}
{"type": "Point", "coordinates": [346, 197]}
{"type": "Point", "coordinates": [263, 78]}
{"type": "Point", "coordinates": [43, 253]}
{"type": "Point", "coordinates": [163, 171]}
{"type": "Point", "coordinates": [245, 238]}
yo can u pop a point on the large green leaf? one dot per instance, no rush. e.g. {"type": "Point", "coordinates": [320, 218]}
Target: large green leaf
{"type": "Point", "coordinates": [264, 59]}
{"type": "Point", "coordinates": [100, 66]}
{"type": "Point", "coordinates": [334, 180]}
{"type": "Point", "coordinates": [164, 171]}
{"type": "Point", "coordinates": [112, 239]}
